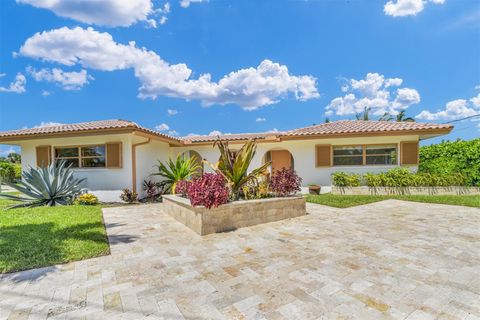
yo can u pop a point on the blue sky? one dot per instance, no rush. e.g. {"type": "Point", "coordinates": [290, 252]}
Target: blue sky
{"type": "Point", "coordinates": [238, 66]}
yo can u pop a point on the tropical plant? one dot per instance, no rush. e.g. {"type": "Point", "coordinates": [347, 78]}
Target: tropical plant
{"type": "Point", "coordinates": [173, 171]}
{"type": "Point", "coordinates": [129, 196]}
{"type": "Point", "coordinates": [364, 115]}
{"type": "Point", "coordinates": [151, 188]}
{"type": "Point", "coordinates": [449, 157]}
{"type": "Point", "coordinates": [7, 172]}
{"type": "Point", "coordinates": [400, 117]}
{"type": "Point", "coordinates": [209, 191]}
{"type": "Point", "coordinates": [182, 187]}
{"type": "Point", "coordinates": [233, 165]}
{"type": "Point", "coordinates": [50, 186]}
{"type": "Point", "coordinates": [285, 182]}
{"type": "Point", "coordinates": [14, 157]}
{"type": "Point", "coordinates": [256, 188]}
{"type": "Point", "coordinates": [87, 199]}
{"type": "Point", "coordinates": [344, 179]}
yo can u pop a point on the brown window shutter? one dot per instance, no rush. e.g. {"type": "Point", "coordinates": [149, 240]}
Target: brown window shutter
{"type": "Point", "coordinates": [114, 155]}
{"type": "Point", "coordinates": [323, 155]}
{"type": "Point", "coordinates": [44, 156]}
{"type": "Point", "coordinates": [409, 153]}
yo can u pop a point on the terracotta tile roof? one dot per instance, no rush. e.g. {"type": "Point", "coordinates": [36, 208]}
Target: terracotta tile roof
{"type": "Point", "coordinates": [363, 126]}
{"type": "Point", "coordinates": [82, 127]}
{"type": "Point", "coordinates": [331, 128]}
{"type": "Point", "coordinates": [228, 137]}
{"type": "Point", "coordinates": [324, 129]}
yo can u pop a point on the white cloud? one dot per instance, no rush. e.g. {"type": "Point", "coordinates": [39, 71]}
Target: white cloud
{"type": "Point", "coordinates": [402, 8]}
{"type": "Point", "coordinates": [260, 119]}
{"type": "Point", "coordinates": [274, 130]}
{"type": "Point", "coordinates": [172, 112]}
{"type": "Point", "coordinates": [375, 92]}
{"type": "Point", "coordinates": [16, 86]}
{"type": "Point", "coordinates": [186, 3]}
{"type": "Point", "coordinates": [215, 133]}
{"type": "Point", "coordinates": [111, 13]}
{"type": "Point", "coordinates": [455, 109]}
{"type": "Point", "coordinates": [250, 88]}
{"type": "Point", "coordinates": [68, 80]}
{"type": "Point", "coordinates": [6, 150]}
{"type": "Point", "coordinates": [162, 127]}
{"type": "Point", "coordinates": [48, 124]}
{"type": "Point", "coordinates": [172, 133]}
{"type": "Point", "coordinates": [46, 93]}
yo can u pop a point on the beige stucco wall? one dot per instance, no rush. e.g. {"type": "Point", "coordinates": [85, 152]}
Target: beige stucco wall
{"type": "Point", "coordinates": [303, 152]}
{"type": "Point", "coordinates": [147, 159]}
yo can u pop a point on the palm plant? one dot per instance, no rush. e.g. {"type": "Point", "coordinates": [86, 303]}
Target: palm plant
{"type": "Point", "coordinates": [402, 117]}
{"type": "Point", "coordinates": [364, 115]}
{"type": "Point", "coordinates": [386, 117]}
{"type": "Point", "coordinates": [50, 186]}
{"type": "Point", "coordinates": [233, 165]}
{"type": "Point", "coordinates": [175, 170]}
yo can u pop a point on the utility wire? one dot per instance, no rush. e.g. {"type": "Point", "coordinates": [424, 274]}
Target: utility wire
{"type": "Point", "coordinates": [461, 119]}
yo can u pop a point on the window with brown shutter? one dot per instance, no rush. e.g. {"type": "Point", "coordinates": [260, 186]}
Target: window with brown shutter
{"type": "Point", "coordinates": [44, 154]}
{"type": "Point", "coordinates": [409, 153]}
{"type": "Point", "coordinates": [323, 155]}
{"type": "Point", "coordinates": [114, 155]}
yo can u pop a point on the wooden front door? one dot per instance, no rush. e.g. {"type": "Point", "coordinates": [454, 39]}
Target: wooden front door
{"type": "Point", "coordinates": [281, 159]}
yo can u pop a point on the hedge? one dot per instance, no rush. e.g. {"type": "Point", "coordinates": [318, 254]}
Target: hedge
{"type": "Point", "coordinates": [452, 157]}
{"type": "Point", "coordinates": [398, 177]}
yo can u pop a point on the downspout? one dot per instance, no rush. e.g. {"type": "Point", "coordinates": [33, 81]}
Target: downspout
{"type": "Point", "coordinates": [134, 163]}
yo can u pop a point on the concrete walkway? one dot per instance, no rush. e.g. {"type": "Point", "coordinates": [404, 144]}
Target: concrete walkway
{"type": "Point", "coordinates": [387, 260]}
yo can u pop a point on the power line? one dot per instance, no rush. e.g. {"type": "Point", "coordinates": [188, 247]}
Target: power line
{"type": "Point", "coordinates": [461, 119]}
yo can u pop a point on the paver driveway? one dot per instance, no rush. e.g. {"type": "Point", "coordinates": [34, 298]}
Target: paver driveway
{"type": "Point", "coordinates": [390, 259]}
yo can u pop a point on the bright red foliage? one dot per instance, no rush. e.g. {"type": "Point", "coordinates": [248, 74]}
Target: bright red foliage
{"type": "Point", "coordinates": [181, 187]}
{"type": "Point", "coordinates": [285, 182]}
{"type": "Point", "coordinates": [210, 190]}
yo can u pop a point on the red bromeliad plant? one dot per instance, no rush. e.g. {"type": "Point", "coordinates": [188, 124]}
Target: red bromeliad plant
{"type": "Point", "coordinates": [285, 182]}
{"type": "Point", "coordinates": [182, 187]}
{"type": "Point", "coordinates": [210, 190]}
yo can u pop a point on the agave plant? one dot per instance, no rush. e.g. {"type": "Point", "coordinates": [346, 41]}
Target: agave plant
{"type": "Point", "coordinates": [173, 171]}
{"type": "Point", "coordinates": [233, 165]}
{"type": "Point", "coordinates": [50, 186]}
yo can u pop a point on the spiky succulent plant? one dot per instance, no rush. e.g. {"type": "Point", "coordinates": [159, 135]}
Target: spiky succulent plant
{"type": "Point", "coordinates": [50, 186]}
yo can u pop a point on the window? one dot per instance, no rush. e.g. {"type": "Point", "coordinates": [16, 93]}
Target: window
{"type": "Point", "coordinates": [381, 155]}
{"type": "Point", "coordinates": [82, 157]}
{"type": "Point", "coordinates": [348, 155]}
{"type": "Point", "coordinates": [365, 155]}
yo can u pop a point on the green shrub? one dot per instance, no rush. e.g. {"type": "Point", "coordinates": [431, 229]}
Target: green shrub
{"type": "Point", "coordinates": [344, 179]}
{"type": "Point", "coordinates": [7, 172]}
{"type": "Point", "coordinates": [18, 171]}
{"type": "Point", "coordinates": [403, 177]}
{"type": "Point", "coordinates": [452, 158]}
{"type": "Point", "coordinates": [87, 199]}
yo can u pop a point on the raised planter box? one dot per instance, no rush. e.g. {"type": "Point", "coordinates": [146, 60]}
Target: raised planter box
{"type": "Point", "coordinates": [407, 191]}
{"type": "Point", "coordinates": [233, 215]}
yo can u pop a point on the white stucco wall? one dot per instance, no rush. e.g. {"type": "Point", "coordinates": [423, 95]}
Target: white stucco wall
{"type": "Point", "coordinates": [102, 179]}
{"type": "Point", "coordinates": [303, 152]}
{"type": "Point", "coordinates": [97, 178]}
{"type": "Point", "coordinates": [147, 159]}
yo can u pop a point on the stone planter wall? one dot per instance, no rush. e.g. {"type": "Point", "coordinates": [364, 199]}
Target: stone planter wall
{"type": "Point", "coordinates": [233, 215]}
{"type": "Point", "coordinates": [407, 191]}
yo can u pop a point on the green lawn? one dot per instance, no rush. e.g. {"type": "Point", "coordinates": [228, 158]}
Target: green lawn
{"type": "Point", "coordinates": [44, 236]}
{"type": "Point", "coordinates": [345, 201]}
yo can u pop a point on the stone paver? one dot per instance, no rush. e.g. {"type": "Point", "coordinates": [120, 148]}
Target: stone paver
{"type": "Point", "coordinates": [387, 260]}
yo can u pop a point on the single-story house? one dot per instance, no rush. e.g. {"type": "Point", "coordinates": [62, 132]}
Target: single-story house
{"type": "Point", "coordinates": [117, 154]}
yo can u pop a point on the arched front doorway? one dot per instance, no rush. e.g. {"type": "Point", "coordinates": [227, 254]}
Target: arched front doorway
{"type": "Point", "coordinates": [197, 158]}
{"type": "Point", "coordinates": [280, 159]}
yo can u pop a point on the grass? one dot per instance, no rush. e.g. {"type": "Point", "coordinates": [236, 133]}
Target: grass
{"type": "Point", "coordinates": [346, 201]}
{"type": "Point", "coordinates": [44, 236]}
